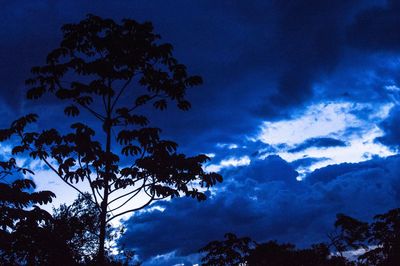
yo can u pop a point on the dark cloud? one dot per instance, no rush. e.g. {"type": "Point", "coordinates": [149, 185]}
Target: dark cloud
{"type": "Point", "coordinates": [258, 57]}
{"type": "Point", "coordinates": [329, 173]}
{"type": "Point", "coordinates": [377, 28]}
{"type": "Point", "coordinates": [318, 143]}
{"type": "Point", "coordinates": [306, 162]}
{"type": "Point", "coordinates": [391, 129]}
{"type": "Point", "coordinates": [264, 201]}
{"type": "Point", "coordinates": [309, 44]}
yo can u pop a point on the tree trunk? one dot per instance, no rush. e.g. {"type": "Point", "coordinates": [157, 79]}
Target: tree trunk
{"type": "Point", "coordinates": [102, 236]}
{"type": "Point", "coordinates": [103, 215]}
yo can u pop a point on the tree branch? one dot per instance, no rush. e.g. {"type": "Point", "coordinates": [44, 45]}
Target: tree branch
{"type": "Point", "coordinates": [126, 194]}
{"type": "Point", "coordinates": [131, 197]}
{"type": "Point", "coordinates": [72, 186]}
{"type": "Point", "coordinates": [97, 115]}
{"type": "Point", "coordinates": [131, 210]}
{"type": "Point", "coordinates": [89, 179]}
{"type": "Point", "coordinates": [120, 92]}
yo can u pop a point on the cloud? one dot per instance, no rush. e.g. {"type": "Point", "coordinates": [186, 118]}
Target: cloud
{"type": "Point", "coordinates": [264, 201]}
{"type": "Point", "coordinates": [319, 143]}
{"type": "Point", "coordinates": [226, 163]}
{"type": "Point", "coordinates": [330, 133]}
{"type": "Point", "coordinates": [376, 28]}
{"type": "Point", "coordinates": [306, 162]}
{"type": "Point", "coordinates": [259, 59]}
{"type": "Point", "coordinates": [391, 128]}
{"type": "Point", "coordinates": [317, 120]}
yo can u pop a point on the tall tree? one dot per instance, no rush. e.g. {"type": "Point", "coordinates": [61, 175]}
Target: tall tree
{"type": "Point", "coordinates": [111, 70]}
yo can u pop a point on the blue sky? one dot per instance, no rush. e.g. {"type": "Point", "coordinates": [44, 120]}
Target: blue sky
{"type": "Point", "coordinates": [299, 112]}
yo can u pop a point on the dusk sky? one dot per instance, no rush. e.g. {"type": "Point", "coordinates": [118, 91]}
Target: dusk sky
{"type": "Point", "coordinates": [299, 112]}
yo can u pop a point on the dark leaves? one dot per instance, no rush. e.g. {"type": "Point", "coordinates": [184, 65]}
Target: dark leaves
{"type": "Point", "coordinates": [184, 105]}
{"type": "Point", "coordinates": [19, 149]}
{"type": "Point", "coordinates": [35, 92]}
{"type": "Point", "coordinates": [160, 104]}
{"type": "Point", "coordinates": [17, 126]}
{"type": "Point", "coordinates": [23, 184]}
{"type": "Point", "coordinates": [20, 124]}
{"type": "Point", "coordinates": [131, 119]}
{"type": "Point", "coordinates": [71, 110]}
{"type": "Point", "coordinates": [131, 150]}
{"type": "Point", "coordinates": [142, 99]}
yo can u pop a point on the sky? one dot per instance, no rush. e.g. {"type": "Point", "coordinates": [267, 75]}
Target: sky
{"type": "Point", "coordinates": [298, 111]}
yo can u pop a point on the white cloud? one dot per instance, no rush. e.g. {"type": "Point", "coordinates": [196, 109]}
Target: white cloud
{"type": "Point", "coordinates": [392, 88]}
{"type": "Point", "coordinates": [337, 120]}
{"type": "Point", "coordinates": [230, 162]}
{"type": "Point", "coordinates": [229, 146]}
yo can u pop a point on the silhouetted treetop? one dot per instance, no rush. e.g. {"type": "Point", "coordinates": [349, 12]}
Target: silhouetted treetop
{"type": "Point", "coordinates": [380, 239]}
{"type": "Point", "coordinates": [109, 53]}
{"type": "Point", "coordinates": [234, 251]}
{"type": "Point", "coordinates": [231, 251]}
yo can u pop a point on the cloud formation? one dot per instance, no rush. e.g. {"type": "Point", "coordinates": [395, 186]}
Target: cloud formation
{"type": "Point", "coordinates": [264, 201]}
{"type": "Point", "coordinates": [319, 143]}
{"type": "Point", "coordinates": [391, 128]}
{"type": "Point", "coordinates": [376, 28]}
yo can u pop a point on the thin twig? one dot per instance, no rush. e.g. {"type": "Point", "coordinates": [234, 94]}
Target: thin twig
{"type": "Point", "coordinates": [120, 92]}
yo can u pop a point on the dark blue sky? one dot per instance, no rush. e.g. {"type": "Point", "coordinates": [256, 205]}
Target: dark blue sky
{"type": "Point", "coordinates": [293, 90]}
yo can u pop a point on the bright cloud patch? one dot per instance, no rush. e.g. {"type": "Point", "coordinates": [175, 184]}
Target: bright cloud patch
{"type": "Point", "coordinates": [355, 124]}
{"type": "Point", "coordinates": [230, 162]}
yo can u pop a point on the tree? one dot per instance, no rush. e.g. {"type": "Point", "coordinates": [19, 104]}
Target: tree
{"type": "Point", "coordinates": [77, 225]}
{"type": "Point", "coordinates": [111, 70]}
{"type": "Point", "coordinates": [274, 254]}
{"type": "Point", "coordinates": [236, 251]}
{"type": "Point", "coordinates": [231, 251]}
{"type": "Point", "coordinates": [21, 218]}
{"type": "Point", "coordinates": [380, 239]}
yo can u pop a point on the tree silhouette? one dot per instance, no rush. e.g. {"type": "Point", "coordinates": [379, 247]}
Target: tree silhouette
{"type": "Point", "coordinates": [231, 251]}
{"type": "Point", "coordinates": [234, 251]}
{"type": "Point", "coordinates": [380, 239]}
{"type": "Point", "coordinates": [273, 254]}
{"type": "Point", "coordinates": [20, 218]}
{"type": "Point", "coordinates": [78, 226]}
{"type": "Point", "coordinates": [111, 70]}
